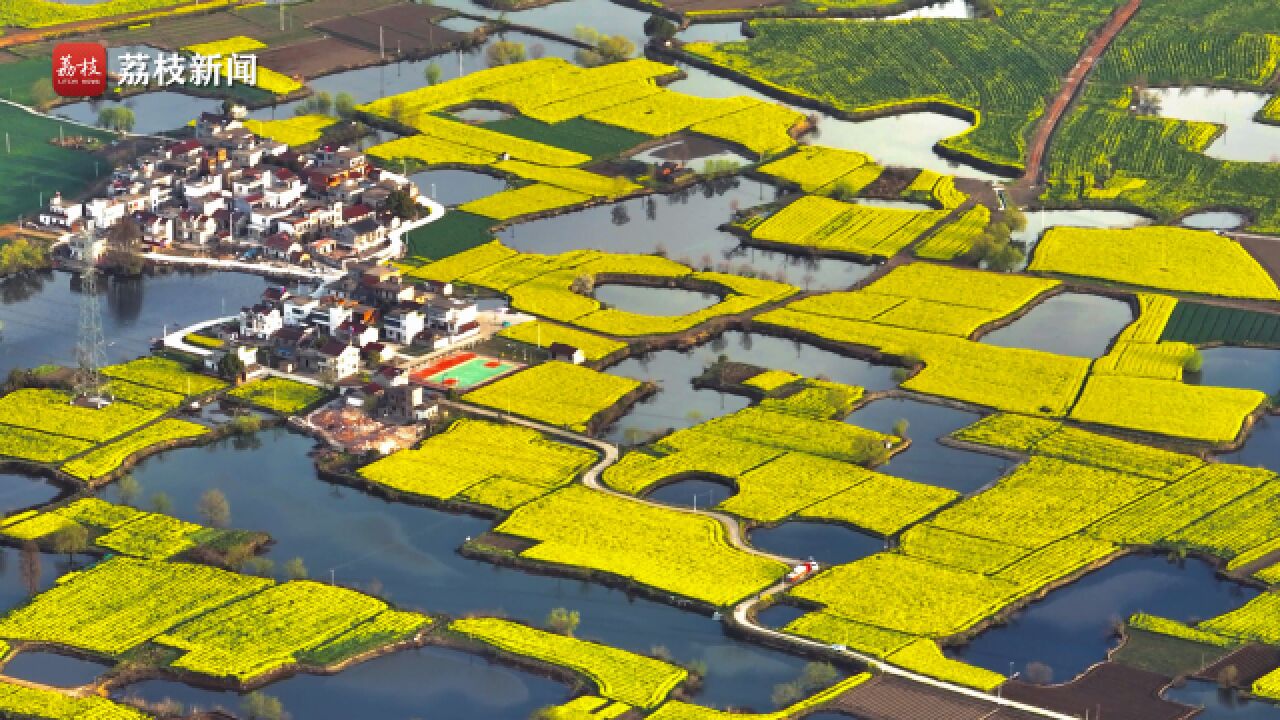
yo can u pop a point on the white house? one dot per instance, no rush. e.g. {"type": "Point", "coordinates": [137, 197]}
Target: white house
{"type": "Point", "coordinates": [450, 314]}
{"type": "Point", "coordinates": [298, 308]}
{"type": "Point", "coordinates": [402, 325]}
{"type": "Point", "coordinates": [260, 321]}
{"type": "Point", "coordinates": [338, 360]}
{"type": "Point", "coordinates": [61, 214]}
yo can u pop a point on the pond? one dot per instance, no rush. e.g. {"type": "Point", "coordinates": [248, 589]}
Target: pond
{"type": "Point", "coordinates": [409, 555]}
{"type": "Point", "coordinates": [927, 460]}
{"type": "Point", "coordinates": [40, 312]}
{"type": "Point", "coordinates": [19, 492]}
{"type": "Point", "coordinates": [896, 204]}
{"type": "Point", "coordinates": [1218, 705]}
{"type": "Point", "coordinates": [1075, 324]}
{"type": "Point", "coordinates": [654, 300]}
{"type": "Point", "coordinates": [906, 140]}
{"type": "Point", "coordinates": [48, 668]}
{"type": "Point", "coordinates": [1238, 367]}
{"type": "Point", "coordinates": [693, 493]}
{"type": "Point", "coordinates": [1072, 628]}
{"type": "Point", "coordinates": [827, 543]}
{"type": "Point", "coordinates": [1244, 138]}
{"type": "Point", "coordinates": [476, 115]}
{"type": "Point", "coordinates": [563, 17]}
{"type": "Point", "coordinates": [1214, 220]}
{"type": "Point", "coordinates": [716, 32]}
{"type": "Point", "coordinates": [454, 187]}
{"type": "Point", "coordinates": [153, 112]}
{"type": "Point", "coordinates": [1262, 449]}
{"type": "Point", "coordinates": [953, 9]}
{"type": "Point", "coordinates": [779, 615]}
{"type": "Point", "coordinates": [675, 406]}
{"type": "Point", "coordinates": [433, 682]}
{"type": "Point", "coordinates": [693, 151]}
{"type": "Point", "coordinates": [14, 588]}
{"type": "Point", "coordinates": [683, 225]}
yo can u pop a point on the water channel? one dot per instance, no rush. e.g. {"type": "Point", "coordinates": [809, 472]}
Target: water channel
{"type": "Point", "coordinates": [676, 405]}
{"type": "Point", "coordinates": [1219, 705]}
{"type": "Point", "coordinates": [1067, 324]}
{"type": "Point", "coordinates": [1073, 627]}
{"type": "Point", "coordinates": [653, 300]}
{"type": "Point", "coordinates": [50, 668]}
{"type": "Point", "coordinates": [1243, 138]}
{"type": "Point", "coordinates": [407, 554]}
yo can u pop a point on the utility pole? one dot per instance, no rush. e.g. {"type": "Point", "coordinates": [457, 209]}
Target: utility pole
{"type": "Point", "coordinates": [91, 353]}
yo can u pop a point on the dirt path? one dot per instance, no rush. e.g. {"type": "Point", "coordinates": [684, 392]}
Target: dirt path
{"type": "Point", "coordinates": [1074, 81]}
{"type": "Point", "coordinates": [32, 35]}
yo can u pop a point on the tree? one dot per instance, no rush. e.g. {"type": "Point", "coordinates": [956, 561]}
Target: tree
{"type": "Point", "coordinates": [504, 52]}
{"type": "Point", "coordinates": [116, 117]}
{"type": "Point", "coordinates": [398, 109]}
{"type": "Point", "coordinates": [785, 694]}
{"type": "Point", "coordinates": [231, 367]}
{"type": "Point", "coordinates": [124, 240]}
{"type": "Point", "coordinates": [432, 73]}
{"type": "Point", "coordinates": [129, 489]}
{"type": "Point", "coordinates": [818, 676]}
{"type": "Point", "coordinates": [1039, 673]}
{"type": "Point", "coordinates": [295, 569]}
{"type": "Point", "coordinates": [161, 503]}
{"type": "Point", "coordinates": [615, 48]}
{"type": "Point", "coordinates": [214, 508]}
{"type": "Point", "coordinates": [29, 567]}
{"type": "Point", "coordinates": [344, 105]}
{"type": "Point", "coordinates": [1193, 362]}
{"type": "Point", "coordinates": [659, 28]}
{"type": "Point", "coordinates": [564, 621]}
{"type": "Point", "coordinates": [260, 566]}
{"type": "Point", "coordinates": [401, 205]}
{"type": "Point", "coordinates": [42, 94]}
{"type": "Point", "coordinates": [1229, 677]}
{"type": "Point", "coordinates": [259, 706]}
{"type": "Point", "coordinates": [71, 539]}
{"type": "Point", "coordinates": [900, 427]}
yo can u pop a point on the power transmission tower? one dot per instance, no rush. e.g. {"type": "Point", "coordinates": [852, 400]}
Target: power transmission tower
{"type": "Point", "coordinates": [91, 346]}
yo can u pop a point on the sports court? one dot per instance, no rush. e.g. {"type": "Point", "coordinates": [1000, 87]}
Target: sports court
{"type": "Point", "coordinates": [463, 371]}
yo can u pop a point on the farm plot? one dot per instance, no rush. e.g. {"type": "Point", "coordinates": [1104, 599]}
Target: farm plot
{"type": "Point", "coordinates": [1193, 261]}
{"type": "Point", "coordinates": [762, 128]}
{"type": "Point", "coordinates": [1238, 526]}
{"type": "Point", "coordinates": [677, 552]}
{"type": "Point", "coordinates": [830, 225]}
{"type": "Point", "coordinates": [1255, 620]}
{"type": "Point", "coordinates": [557, 393]}
{"type": "Point", "coordinates": [1164, 407]}
{"type": "Point", "coordinates": [543, 334]}
{"type": "Point", "coordinates": [677, 710]}
{"type": "Point", "coordinates": [42, 13]}
{"type": "Point", "coordinates": [267, 79]}
{"type": "Point", "coordinates": [52, 411]}
{"type": "Point", "coordinates": [143, 396]}
{"type": "Point", "coordinates": [907, 595]}
{"type": "Point", "coordinates": [1167, 513]}
{"type": "Point", "coordinates": [1042, 501]}
{"type": "Point", "coordinates": [999, 70]}
{"type": "Point", "coordinates": [883, 504]}
{"type": "Point", "coordinates": [39, 447]}
{"type": "Point", "coordinates": [579, 181]}
{"type": "Point", "coordinates": [618, 675]}
{"type": "Point", "coordinates": [684, 453]}
{"type": "Point", "coordinates": [935, 189]}
{"type": "Point", "coordinates": [294, 131]}
{"type": "Point", "coordinates": [924, 656]}
{"type": "Point", "coordinates": [108, 458]}
{"type": "Point", "coordinates": [34, 162]}
{"type": "Point", "coordinates": [488, 141]}
{"type": "Point", "coordinates": [410, 29]}
{"type": "Point", "coordinates": [574, 133]}
{"type": "Point", "coordinates": [667, 112]}
{"type": "Point", "coordinates": [956, 238]}
{"type": "Point", "coordinates": [123, 602]}
{"type": "Point", "coordinates": [263, 632]}
{"type": "Point", "coordinates": [164, 374]}
{"type": "Point", "coordinates": [24, 701]}
{"type": "Point", "coordinates": [815, 168]}
{"type": "Point", "coordinates": [526, 200]}
{"type": "Point", "coordinates": [153, 536]}
{"type": "Point", "coordinates": [817, 399]}
{"type": "Point", "coordinates": [1010, 379]}
{"type": "Point", "coordinates": [280, 395]}
{"type": "Point", "coordinates": [480, 458]}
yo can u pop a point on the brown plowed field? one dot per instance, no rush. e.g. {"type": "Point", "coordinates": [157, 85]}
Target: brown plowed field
{"type": "Point", "coordinates": [405, 29]}
{"type": "Point", "coordinates": [1252, 662]}
{"type": "Point", "coordinates": [316, 57]}
{"type": "Point", "coordinates": [891, 698]}
{"type": "Point", "coordinates": [1120, 691]}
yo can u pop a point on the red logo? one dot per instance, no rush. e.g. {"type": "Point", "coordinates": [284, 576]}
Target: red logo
{"type": "Point", "coordinates": [79, 69]}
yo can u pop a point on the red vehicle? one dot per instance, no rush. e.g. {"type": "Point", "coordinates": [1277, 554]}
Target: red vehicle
{"type": "Point", "coordinates": [802, 571]}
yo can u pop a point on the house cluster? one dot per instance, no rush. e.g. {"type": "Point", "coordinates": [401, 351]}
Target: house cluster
{"type": "Point", "coordinates": [361, 321]}
{"type": "Point", "coordinates": [231, 189]}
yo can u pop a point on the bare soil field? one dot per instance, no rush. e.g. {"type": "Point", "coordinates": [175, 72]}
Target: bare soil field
{"type": "Point", "coordinates": [1120, 691]}
{"type": "Point", "coordinates": [1266, 251]}
{"type": "Point", "coordinates": [316, 57]}
{"type": "Point", "coordinates": [403, 29]}
{"type": "Point", "coordinates": [890, 698]}
{"type": "Point", "coordinates": [1251, 662]}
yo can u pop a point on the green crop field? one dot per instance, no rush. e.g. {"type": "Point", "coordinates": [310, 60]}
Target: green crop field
{"type": "Point", "coordinates": [998, 71]}
{"type": "Point", "coordinates": [35, 166]}
{"type": "Point", "coordinates": [577, 134]}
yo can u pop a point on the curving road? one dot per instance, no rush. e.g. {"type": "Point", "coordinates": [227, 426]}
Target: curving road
{"type": "Point", "coordinates": [742, 612]}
